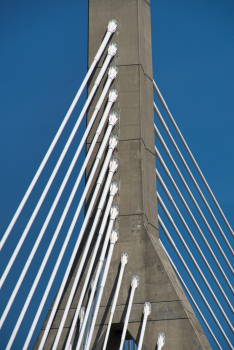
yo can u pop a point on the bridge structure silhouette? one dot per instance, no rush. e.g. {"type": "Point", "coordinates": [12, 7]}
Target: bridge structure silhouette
{"type": "Point", "coordinates": [122, 287]}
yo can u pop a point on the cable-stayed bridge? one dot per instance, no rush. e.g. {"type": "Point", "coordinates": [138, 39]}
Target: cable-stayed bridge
{"type": "Point", "coordinates": [161, 204]}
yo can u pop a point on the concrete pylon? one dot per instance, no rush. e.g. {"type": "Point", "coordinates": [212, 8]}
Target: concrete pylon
{"type": "Point", "coordinates": [137, 222]}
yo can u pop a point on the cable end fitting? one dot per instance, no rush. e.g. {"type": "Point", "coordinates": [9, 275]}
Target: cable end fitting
{"type": "Point", "coordinates": [112, 49]}
{"type": "Point", "coordinates": [147, 309]}
{"type": "Point", "coordinates": [114, 188]}
{"type": "Point", "coordinates": [112, 73]}
{"type": "Point", "coordinates": [124, 258]}
{"type": "Point", "coordinates": [160, 340]}
{"type": "Point", "coordinates": [113, 95]}
{"type": "Point", "coordinates": [134, 281]}
{"type": "Point", "coordinates": [114, 236]}
{"type": "Point", "coordinates": [113, 165]}
{"type": "Point", "coordinates": [112, 25]}
{"type": "Point", "coordinates": [114, 212]}
{"type": "Point", "coordinates": [113, 117]}
{"type": "Point", "coordinates": [113, 141]}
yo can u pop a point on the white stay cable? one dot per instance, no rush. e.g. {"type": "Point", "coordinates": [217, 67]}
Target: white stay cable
{"type": "Point", "coordinates": [113, 190]}
{"type": "Point", "coordinates": [113, 141]}
{"type": "Point", "coordinates": [112, 121]}
{"type": "Point", "coordinates": [146, 312]}
{"type": "Point", "coordinates": [134, 285]}
{"type": "Point", "coordinates": [112, 144]}
{"type": "Point", "coordinates": [193, 260]}
{"type": "Point", "coordinates": [90, 314]}
{"type": "Point", "coordinates": [192, 198]}
{"type": "Point", "coordinates": [93, 306]}
{"type": "Point", "coordinates": [112, 26]}
{"type": "Point", "coordinates": [191, 156]}
{"type": "Point", "coordinates": [113, 167]}
{"type": "Point", "coordinates": [111, 75]}
{"type": "Point", "coordinates": [113, 239]}
{"type": "Point", "coordinates": [124, 261]}
{"type": "Point", "coordinates": [194, 281]}
{"type": "Point", "coordinates": [192, 238]}
{"type": "Point", "coordinates": [114, 212]}
{"type": "Point", "coordinates": [193, 218]}
{"type": "Point", "coordinates": [191, 297]}
{"type": "Point", "coordinates": [192, 178]}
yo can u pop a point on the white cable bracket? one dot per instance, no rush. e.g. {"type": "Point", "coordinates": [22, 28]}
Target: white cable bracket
{"type": "Point", "coordinates": [147, 309]}
{"type": "Point", "coordinates": [114, 212]}
{"type": "Point", "coordinates": [112, 49]}
{"type": "Point", "coordinates": [124, 259]}
{"type": "Point", "coordinates": [113, 142]}
{"type": "Point", "coordinates": [112, 26]}
{"type": "Point", "coordinates": [114, 188]}
{"type": "Point", "coordinates": [114, 236]}
{"type": "Point", "coordinates": [160, 340]}
{"type": "Point", "coordinates": [112, 74]}
{"type": "Point", "coordinates": [112, 97]}
{"type": "Point", "coordinates": [114, 116]}
{"type": "Point", "coordinates": [113, 165]}
{"type": "Point", "coordinates": [134, 282]}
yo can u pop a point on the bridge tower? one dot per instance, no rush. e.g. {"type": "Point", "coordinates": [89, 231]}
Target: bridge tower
{"type": "Point", "coordinates": [137, 221]}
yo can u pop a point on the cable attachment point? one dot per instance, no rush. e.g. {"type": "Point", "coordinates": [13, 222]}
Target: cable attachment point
{"type": "Point", "coordinates": [112, 49]}
{"type": "Point", "coordinates": [113, 95]}
{"type": "Point", "coordinates": [114, 188]}
{"type": "Point", "coordinates": [160, 340]}
{"type": "Point", "coordinates": [124, 258]}
{"type": "Point", "coordinates": [114, 236]}
{"type": "Point", "coordinates": [113, 165]}
{"type": "Point", "coordinates": [134, 281]}
{"type": "Point", "coordinates": [112, 73]}
{"type": "Point", "coordinates": [147, 309]}
{"type": "Point", "coordinates": [113, 141]}
{"type": "Point", "coordinates": [112, 25]}
{"type": "Point", "coordinates": [114, 116]}
{"type": "Point", "coordinates": [114, 212]}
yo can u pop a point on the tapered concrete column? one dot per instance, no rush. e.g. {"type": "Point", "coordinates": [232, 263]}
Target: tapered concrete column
{"type": "Point", "coordinates": [137, 222]}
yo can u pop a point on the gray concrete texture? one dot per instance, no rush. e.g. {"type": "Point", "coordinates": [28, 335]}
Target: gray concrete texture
{"type": "Point", "coordinates": [137, 222]}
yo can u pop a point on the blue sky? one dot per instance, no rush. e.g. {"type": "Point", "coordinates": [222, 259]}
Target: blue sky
{"type": "Point", "coordinates": [44, 60]}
